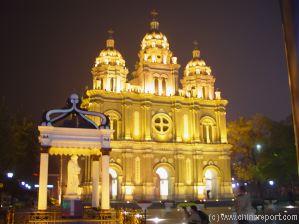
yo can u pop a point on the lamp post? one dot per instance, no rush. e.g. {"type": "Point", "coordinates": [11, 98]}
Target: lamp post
{"type": "Point", "coordinates": [257, 149]}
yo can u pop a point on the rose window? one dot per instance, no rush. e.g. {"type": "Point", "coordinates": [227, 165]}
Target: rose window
{"type": "Point", "coordinates": [161, 123]}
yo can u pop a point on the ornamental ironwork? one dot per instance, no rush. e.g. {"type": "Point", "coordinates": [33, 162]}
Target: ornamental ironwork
{"type": "Point", "coordinates": [73, 107]}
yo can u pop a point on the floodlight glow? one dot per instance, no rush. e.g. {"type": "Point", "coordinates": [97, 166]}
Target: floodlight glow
{"type": "Point", "coordinates": [138, 216]}
{"type": "Point", "coordinates": [233, 185]}
{"type": "Point", "coordinates": [23, 183]}
{"type": "Point", "coordinates": [48, 186]}
{"type": "Point", "coordinates": [9, 175]}
{"type": "Point", "coordinates": [156, 220]}
{"type": "Point", "coordinates": [258, 147]}
{"type": "Point", "coordinates": [271, 183]}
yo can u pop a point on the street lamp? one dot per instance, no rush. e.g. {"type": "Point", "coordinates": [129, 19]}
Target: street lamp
{"type": "Point", "coordinates": [9, 175]}
{"type": "Point", "coordinates": [258, 147]}
{"type": "Point", "coordinates": [271, 182]}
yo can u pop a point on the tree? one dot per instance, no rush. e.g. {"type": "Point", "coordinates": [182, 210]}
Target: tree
{"type": "Point", "coordinates": [274, 160]}
{"type": "Point", "coordinates": [244, 134]}
{"type": "Point", "coordinates": [18, 144]}
{"type": "Point", "coordinates": [278, 160]}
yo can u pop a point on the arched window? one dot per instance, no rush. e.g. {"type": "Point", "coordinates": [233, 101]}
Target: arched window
{"type": "Point", "coordinates": [115, 119]}
{"type": "Point", "coordinates": [114, 126]}
{"type": "Point", "coordinates": [112, 84]}
{"type": "Point", "coordinates": [207, 129]}
{"type": "Point", "coordinates": [156, 86]}
{"type": "Point", "coordinates": [101, 83]}
{"type": "Point", "coordinates": [163, 86]}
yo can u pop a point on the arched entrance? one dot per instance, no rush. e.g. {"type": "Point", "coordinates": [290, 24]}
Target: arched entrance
{"type": "Point", "coordinates": [211, 183]}
{"type": "Point", "coordinates": [113, 183]}
{"type": "Point", "coordinates": [163, 182]}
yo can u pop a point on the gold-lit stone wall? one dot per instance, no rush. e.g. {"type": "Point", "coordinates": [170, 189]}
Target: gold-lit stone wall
{"type": "Point", "coordinates": [169, 142]}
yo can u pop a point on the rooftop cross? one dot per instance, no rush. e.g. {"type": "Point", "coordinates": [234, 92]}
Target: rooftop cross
{"type": "Point", "coordinates": [154, 14]}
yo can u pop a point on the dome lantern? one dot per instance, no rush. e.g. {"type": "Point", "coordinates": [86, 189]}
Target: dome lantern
{"type": "Point", "coordinates": [154, 23]}
{"type": "Point", "coordinates": [110, 40]}
{"type": "Point", "coordinates": [195, 52]}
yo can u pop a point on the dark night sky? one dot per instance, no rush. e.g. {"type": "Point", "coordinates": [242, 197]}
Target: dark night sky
{"type": "Point", "coordinates": [48, 48]}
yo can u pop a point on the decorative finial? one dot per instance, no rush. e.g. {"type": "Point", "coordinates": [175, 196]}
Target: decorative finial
{"type": "Point", "coordinates": [154, 14]}
{"type": "Point", "coordinates": [195, 52]}
{"type": "Point", "coordinates": [195, 43]}
{"type": "Point", "coordinates": [154, 23]}
{"type": "Point", "coordinates": [111, 32]}
{"type": "Point", "coordinates": [110, 41]}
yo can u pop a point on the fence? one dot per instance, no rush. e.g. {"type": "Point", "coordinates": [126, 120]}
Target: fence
{"type": "Point", "coordinates": [90, 217]}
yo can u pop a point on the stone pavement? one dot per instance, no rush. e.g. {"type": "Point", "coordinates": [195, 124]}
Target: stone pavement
{"type": "Point", "coordinates": [176, 216]}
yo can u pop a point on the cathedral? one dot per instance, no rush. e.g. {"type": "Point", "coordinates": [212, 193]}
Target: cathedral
{"type": "Point", "coordinates": [170, 137]}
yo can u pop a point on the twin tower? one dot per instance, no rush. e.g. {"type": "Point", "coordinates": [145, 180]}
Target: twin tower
{"type": "Point", "coordinates": [156, 71]}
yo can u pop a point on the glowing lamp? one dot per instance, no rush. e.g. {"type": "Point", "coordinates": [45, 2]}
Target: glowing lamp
{"type": "Point", "coordinates": [10, 175]}
{"type": "Point", "coordinates": [271, 182]}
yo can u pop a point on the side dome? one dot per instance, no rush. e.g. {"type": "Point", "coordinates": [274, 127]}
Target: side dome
{"type": "Point", "coordinates": [110, 72]}
{"type": "Point", "coordinates": [110, 56]}
{"type": "Point", "coordinates": [197, 66]}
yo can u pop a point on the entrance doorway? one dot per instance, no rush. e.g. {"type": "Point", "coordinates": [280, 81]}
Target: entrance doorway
{"type": "Point", "coordinates": [113, 183]}
{"type": "Point", "coordinates": [211, 184]}
{"type": "Point", "coordinates": [163, 182]}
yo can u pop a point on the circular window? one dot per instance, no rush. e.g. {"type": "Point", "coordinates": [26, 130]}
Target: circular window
{"type": "Point", "coordinates": [161, 123]}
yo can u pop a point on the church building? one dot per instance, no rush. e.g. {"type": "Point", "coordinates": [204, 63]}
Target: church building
{"type": "Point", "coordinates": [170, 136]}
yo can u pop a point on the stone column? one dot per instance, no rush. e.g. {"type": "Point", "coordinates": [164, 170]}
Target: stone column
{"type": "Point", "coordinates": [105, 200]}
{"type": "Point", "coordinates": [95, 181]}
{"type": "Point", "coordinates": [43, 179]}
{"type": "Point", "coordinates": [105, 149]}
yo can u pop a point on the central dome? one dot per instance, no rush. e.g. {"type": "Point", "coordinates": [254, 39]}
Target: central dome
{"type": "Point", "coordinates": [155, 39]}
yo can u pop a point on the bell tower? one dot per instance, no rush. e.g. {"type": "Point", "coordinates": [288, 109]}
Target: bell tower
{"type": "Point", "coordinates": [198, 80]}
{"type": "Point", "coordinates": [157, 68]}
{"type": "Point", "coordinates": [110, 72]}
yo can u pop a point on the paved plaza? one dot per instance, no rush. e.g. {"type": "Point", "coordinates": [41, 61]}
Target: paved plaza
{"type": "Point", "coordinates": [176, 216]}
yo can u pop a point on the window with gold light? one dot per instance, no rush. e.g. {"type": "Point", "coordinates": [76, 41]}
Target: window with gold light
{"type": "Point", "coordinates": [161, 123]}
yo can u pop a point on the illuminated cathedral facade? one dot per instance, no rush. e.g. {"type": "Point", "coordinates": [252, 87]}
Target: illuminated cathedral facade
{"type": "Point", "coordinates": [169, 140]}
